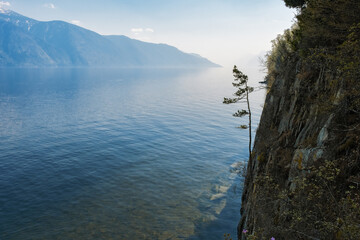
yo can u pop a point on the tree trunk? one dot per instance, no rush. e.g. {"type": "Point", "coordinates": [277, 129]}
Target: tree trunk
{"type": "Point", "coordinates": [248, 105]}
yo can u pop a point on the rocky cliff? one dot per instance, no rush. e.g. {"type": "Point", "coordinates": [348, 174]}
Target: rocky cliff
{"type": "Point", "coordinates": [304, 165]}
{"type": "Point", "coordinates": [303, 176]}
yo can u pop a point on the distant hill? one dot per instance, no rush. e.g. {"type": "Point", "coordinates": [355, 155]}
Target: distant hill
{"type": "Point", "coordinates": [30, 43]}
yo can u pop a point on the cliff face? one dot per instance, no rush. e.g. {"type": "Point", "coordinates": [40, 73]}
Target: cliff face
{"type": "Point", "coordinates": [303, 177]}
{"type": "Point", "coordinates": [304, 164]}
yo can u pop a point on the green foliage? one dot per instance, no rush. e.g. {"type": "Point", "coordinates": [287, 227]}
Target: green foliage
{"type": "Point", "coordinates": [326, 38]}
{"type": "Point", "coordinates": [330, 219]}
{"type": "Point", "coordinates": [329, 33]}
{"type": "Point", "coordinates": [301, 212]}
{"type": "Point", "coordinates": [325, 23]}
{"type": "Point", "coordinates": [227, 236]}
{"type": "Point", "coordinates": [240, 82]}
{"type": "Point", "coordinates": [261, 157]}
{"type": "Point", "coordinates": [319, 199]}
{"type": "Point", "coordinates": [282, 50]}
{"type": "Point", "coordinates": [348, 59]}
{"type": "Point", "coordinates": [295, 3]}
{"type": "Point", "coordinates": [241, 113]}
{"type": "Point", "coordinates": [252, 237]}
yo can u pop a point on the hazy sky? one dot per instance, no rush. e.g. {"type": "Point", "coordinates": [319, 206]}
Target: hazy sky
{"type": "Point", "coordinates": [227, 32]}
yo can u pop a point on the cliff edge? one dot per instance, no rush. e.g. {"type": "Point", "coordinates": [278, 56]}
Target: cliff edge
{"type": "Point", "coordinates": [303, 177]}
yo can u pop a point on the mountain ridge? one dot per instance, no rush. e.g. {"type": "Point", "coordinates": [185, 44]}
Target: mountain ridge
{"type": "Point", "coordinates": [26, 42]}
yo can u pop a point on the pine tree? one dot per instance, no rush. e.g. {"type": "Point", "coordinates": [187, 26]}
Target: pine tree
{"type": "Point", "coordinates": [241, 95]}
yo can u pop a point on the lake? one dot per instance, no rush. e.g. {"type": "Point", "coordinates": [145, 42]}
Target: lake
{"type": "Point", "coordinates": [120, 153]}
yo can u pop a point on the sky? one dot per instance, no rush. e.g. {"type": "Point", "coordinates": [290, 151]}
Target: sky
{"type": "Point", "coordinates": [227, 32]}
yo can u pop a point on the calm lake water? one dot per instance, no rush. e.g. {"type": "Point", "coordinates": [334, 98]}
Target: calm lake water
{"type": "Point", "coordinates": [120, 154]}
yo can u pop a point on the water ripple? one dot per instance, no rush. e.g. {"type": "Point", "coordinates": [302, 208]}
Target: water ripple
{"type": "Point", "coordinates": [86, 156]}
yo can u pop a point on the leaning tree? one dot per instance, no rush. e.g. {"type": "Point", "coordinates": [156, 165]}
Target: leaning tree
{"type": "Point", "coordinates": [241, 95]}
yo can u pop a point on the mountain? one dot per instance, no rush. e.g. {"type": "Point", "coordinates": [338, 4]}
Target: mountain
{"type": "Point", "coordinates": [156, 54]}
{"type": "Point", "coordinates": [28, 42]}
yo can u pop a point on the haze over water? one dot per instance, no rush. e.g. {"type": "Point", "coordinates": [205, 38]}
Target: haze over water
{"type": "Point", "coordinates": [120, 153]}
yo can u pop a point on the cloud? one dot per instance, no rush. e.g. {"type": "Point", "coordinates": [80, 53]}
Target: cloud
{"type": "Point", "coordinates": [76, 22]}
{"type": "Point", "coordinates": [4, 4]}
{"type": "Point", "coordinates": [138, 31]}
{"type": "Point", "coordinates": [49, 5]}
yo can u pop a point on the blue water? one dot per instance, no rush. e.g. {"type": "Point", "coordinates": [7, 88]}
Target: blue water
{"type": "Point", "coordinates": [119, 154]}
